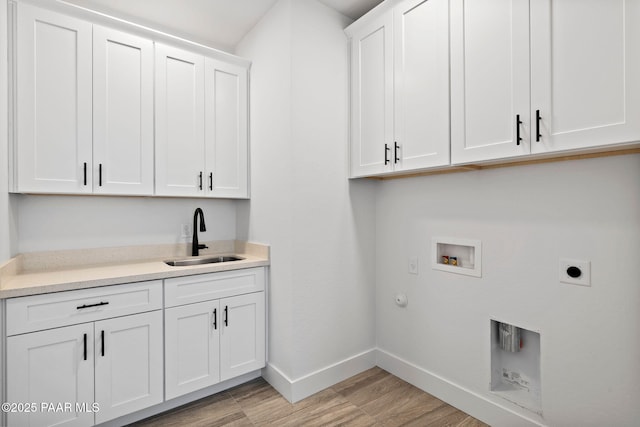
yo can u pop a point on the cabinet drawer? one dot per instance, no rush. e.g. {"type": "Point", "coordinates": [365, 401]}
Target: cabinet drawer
{"type": "Point", "coordinates": [37, 312]}
{"type": "Point", "coordinates": [204, 287]}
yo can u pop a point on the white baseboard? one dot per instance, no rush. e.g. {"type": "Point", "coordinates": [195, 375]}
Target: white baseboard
{"type": "Point", "coordinates": [295, 390]}
{"type": "Point", "coordinates": [466, 400]}
{"type": "Point", "coordinates": [472, 403]}
{"type": "Point", "coordinates": [298, 389]}
{"type": "Point", "coordinates": [278, 380]}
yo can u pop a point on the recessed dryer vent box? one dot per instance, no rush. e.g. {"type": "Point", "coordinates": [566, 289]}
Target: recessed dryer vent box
{"type": "Point", "coordinates": [460, 256]}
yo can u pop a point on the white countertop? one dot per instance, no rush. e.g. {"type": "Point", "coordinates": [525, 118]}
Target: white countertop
{"type": "Point", "coordinates": [30, 274]}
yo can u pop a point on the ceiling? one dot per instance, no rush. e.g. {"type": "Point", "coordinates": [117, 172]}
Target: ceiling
{"type": "Point", "coordinates": [218, 23]}
{"type": "Point", "coordinates": [354, 9]}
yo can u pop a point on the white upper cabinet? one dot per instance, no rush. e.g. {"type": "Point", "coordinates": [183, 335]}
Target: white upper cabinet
{"type": "Point", "coordinates": [372, 97]}
{"type": "Point", "coordinates": [489, 79]}
{"type": "Point", "coordinates": [543, 76]}
{"type": "Point", "coordinates": [201, 126]}
{"type": "Point", "coordinates": [226, 129]}
{"type": "Point", "coordinates": [585, 73]}
{"type": "Point", "coordinates": [99, 111]}
{"type": "Point", "coordinates": [400, 89]}
{"type": "Point", "coordinates": [179, 122]}
{"type": "Point", "coordinates": [53, 81]}
{"type": "Point", "coordinates": [122, 113]}
{"type": "Point", "coordinates": [421, 52]}
{"type": "Point", "coordinates": [84, 107]}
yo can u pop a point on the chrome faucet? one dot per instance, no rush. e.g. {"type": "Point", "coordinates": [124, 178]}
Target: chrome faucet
{"type": "Point", "coordinates": [195, 247]}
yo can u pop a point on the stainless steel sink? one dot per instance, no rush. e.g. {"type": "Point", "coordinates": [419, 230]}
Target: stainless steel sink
{"type": "Point", "coordinates": [202, 260]}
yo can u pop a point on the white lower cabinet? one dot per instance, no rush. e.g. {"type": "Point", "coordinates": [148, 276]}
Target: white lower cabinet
{"type": "Point", "coordinates": [87, 373]}
{"type": "Point", "coordinates": [58, 366]}
{"type": "Point", "coordinates": [192, 346]}
{"type": "Point", "coordinates": [85, 357]}
{"type": "Point", "coordinates": [242, 341]}
{"type": "Point", "coordinates": [51, 367]}
{"type": "Point", "coordinates": [128, 364]}
{"type": "Point", "coordinates": [215, 340]}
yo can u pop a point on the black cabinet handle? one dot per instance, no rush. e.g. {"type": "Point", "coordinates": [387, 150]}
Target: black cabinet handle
{"type": "Point", "coordinates": [85, 346]}
{"type": "Point", "coordinates": [215, 318]}
{"type": "Point", "coordinates": [518, 123]}
{"type": "Point", "coordinates": [200, 180]}
{"type": "Point", "coordinates": [85, 173]}
{"type": "Point", "coordinates": [211, 181]}
{"type": "Point", "coordinates": [386, 150]}
{"type": "Point", "coordinates": [538, 118]}
{"type": "Point", "coordinates": [100, 175]}
{"type": "Point", "coordinates": [396, 147]}
{"type": "Point", "coordinates": [102, 341]}
{"type": "Point", "coordinates": [226, 315]}
{"type": "Point", "coordinates": [80, 307]}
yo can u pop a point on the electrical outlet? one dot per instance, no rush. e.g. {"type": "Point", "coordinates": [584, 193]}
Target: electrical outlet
{"type": "Point", "coordinates": [413, 265]}
{"type": "Point", "coordinates": [185, 231]}
{"type": "Point", "coordinates": [575, 272]}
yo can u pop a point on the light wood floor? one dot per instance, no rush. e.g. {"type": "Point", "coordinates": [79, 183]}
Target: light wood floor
{"type": "Point", "coordinates": [372, 398]}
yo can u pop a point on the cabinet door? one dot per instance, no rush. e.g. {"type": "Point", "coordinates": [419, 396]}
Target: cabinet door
{"type": "Point", "coordinates": [192, 347]}
{"type": "Point", "coordinates": [128, 364]}
{"type": "Point", "coordinates": [489, 79]}
{"type": "Point", "coordinates": [54, 102]}
{"type": "Point", "coordinates": [122, 113]}
{"type": "Point", "coordinates": [372, 98]}
{"type": "Point", "coordinates": [242, 340]}
{"type": "Point", "coordinates": [421, 49]}
{"type": "Point", "coordinates": [585, 73]}
{"type": "Point", "coordinates": [179, 122]}
{"type": "Point", "coordinates": [53, 366]}
{"type": "Point", "coordinates": [226, 132]}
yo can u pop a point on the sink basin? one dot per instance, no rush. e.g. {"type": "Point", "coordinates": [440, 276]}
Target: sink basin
{"type": "Point", "coordinates": [202, 260]}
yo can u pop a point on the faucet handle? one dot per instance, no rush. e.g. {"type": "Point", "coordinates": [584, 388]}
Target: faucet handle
{"type": "Point", "coordinates": [201, 246]}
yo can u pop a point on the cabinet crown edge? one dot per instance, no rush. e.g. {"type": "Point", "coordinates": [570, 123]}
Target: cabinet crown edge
{"type": "Point", "coordinates": [377, 11]}
{"type": "Point", "coordinates": [128, 24]}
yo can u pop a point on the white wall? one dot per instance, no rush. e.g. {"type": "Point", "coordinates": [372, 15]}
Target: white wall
{"type": "Point", "coordinates": [320, 225]}
{"type": "Point", "coordinates": [5, 242]}
{"type": "Point", "coordinates": [267, 217]}
{"type": "Point", "coordinates": [333, 217]}
{"type": "Point", "coordinates": [73, 222]}
{"type": "Point", "coordinates": [527, 217]}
